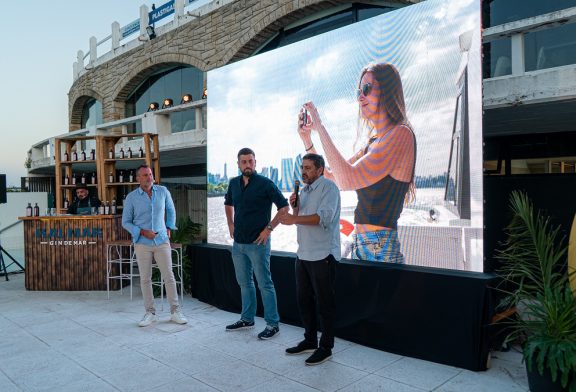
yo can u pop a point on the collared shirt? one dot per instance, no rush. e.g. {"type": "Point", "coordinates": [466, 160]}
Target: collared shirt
{"type": "Point", "coordinates": [156, 214]}
{"type": "Point", "coordinates": [316, 242]}
{"type": "Point", "coordinates": [252, 205]}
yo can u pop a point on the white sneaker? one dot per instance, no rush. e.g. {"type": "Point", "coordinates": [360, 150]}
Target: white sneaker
{"type": "Point", "coordinates": [148, 319]}
{"type": "Point", "coordinates": [178, 318]}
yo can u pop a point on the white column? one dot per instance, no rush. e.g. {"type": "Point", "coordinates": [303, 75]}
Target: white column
{"type": "Point", "coordinates": [115, 35]}
{"type": "Point", "coordinates": [157, 123]}
{"type": "Point", "coordinates": [518, 62]}
{"type": "Point", "coordinates": [178, 8]}
{"type": "Point", "coordinates": [198, 115]}
{"type": "Point", "coordinates": [143, 19]}
{"type": "Point", "coordinates": [93, 49]}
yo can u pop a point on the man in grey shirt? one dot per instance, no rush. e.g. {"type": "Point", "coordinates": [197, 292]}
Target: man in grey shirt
{"type": "Point", "coordinates": [316, 212]}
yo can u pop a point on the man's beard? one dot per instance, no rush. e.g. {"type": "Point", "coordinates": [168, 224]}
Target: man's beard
{"type": "Point", "coordinates": [247, 172]}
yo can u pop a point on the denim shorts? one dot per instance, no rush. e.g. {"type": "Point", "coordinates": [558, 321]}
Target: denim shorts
{"type": "Point", "coordinates": [379, 246]}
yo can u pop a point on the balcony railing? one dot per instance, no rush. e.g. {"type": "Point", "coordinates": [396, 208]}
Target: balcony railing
{"type": "Point", "coordinates": [532, 44]}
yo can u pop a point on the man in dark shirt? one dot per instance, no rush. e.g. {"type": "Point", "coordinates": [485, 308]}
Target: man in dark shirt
{"type": "Point", "coordinates": [83, 203]}
{"type": "Point", "coordinates": [248, 205]}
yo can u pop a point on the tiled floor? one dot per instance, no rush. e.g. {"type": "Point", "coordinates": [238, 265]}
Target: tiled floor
{"type": "Point", "coordinates": [80, 341]}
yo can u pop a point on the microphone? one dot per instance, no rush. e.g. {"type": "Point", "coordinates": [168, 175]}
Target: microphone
{"type": "Point", "coordinates": [296, 189]}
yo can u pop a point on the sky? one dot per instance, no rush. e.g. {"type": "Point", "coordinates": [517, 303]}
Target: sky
{"type": "Point", "coordinates": [39, 41]}
{"type": "Point", "coordinates": [255, 102]}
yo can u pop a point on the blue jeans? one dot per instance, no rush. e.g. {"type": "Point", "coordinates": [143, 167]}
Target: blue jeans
{"type": "Point", "coordinates": [249, 260]}
{"type": "Point", "coordinates": [381, 245]}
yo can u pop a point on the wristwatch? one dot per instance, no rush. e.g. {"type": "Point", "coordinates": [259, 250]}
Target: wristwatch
{"type": "Point", "coordinates": [269, 227]}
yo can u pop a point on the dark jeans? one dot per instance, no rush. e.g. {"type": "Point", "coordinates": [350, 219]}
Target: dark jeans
{"type": "Point", "coordinates": [315, 292]}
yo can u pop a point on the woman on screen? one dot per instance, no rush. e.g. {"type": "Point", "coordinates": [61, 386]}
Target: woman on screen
{"type": "Point", "coordinates": [382, 170]}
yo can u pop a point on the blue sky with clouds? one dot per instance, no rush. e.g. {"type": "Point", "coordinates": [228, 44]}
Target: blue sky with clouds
{"type": "Point", "coordinates": [39, 41]}
{"type": "Point", "coordinates": [255, 102]}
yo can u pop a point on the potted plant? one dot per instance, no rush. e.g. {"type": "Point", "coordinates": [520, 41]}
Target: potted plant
{"type": "Point", "coordinates": [536, 283]}
{"type": "Point", "coordinates": [186, 234]}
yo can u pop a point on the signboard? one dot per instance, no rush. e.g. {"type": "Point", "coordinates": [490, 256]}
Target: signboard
{"type": "Point", "coordinates": [69, 237]}
{"type": "Point", "coordinates": [161, 12]}
{"type": "Point", "coordinates": [130, 28]}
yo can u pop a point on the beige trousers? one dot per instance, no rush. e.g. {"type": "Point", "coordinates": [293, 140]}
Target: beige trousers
{"type": "Point", "coordinates": [162, 254]}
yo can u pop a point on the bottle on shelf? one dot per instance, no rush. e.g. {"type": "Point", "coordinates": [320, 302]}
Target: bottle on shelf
{"type": "Point", "coordinates": [129, 152]}
{"type": "Point", "coordinates": [29, 210]}
{"type": "Point", "coordinates": [121, 176]}
{"type": "Point", "coordinates": [113, 207]}
{"type": "Point", "coordinates": [131, 176]}
{"type": "Point", "coordinates": [65, 204]}
{"type": "Point", "coordinates": [36, 210]}
{"type": "Point", "coordinates": [111, 177]}
{"type": "Point", "coordinates": [73, 179]}
{"type": "Point", "coordinates": [106, 208]}
{"type": "Point", "coordinates": [74, 156]}
{"type": "Point", "coordinates": [140, 153]}
{"type": "Point", "coordinates": [93, 179]}
{"type": "Point", "coordinates": [122, 156]}
{"type": "Point", "coordinates": [83, 178]}
{"type": "Point", "coordinates": [111, 153]}
{"type": "Point", "coordinates": [92, 155]}
{"type": "Point", "coordinates": [83, 155]}
{"type": "Point", "coordinates": [101, 209]}
{"type": "Point", "coordinates": [66, 180]}
{"type": "Point", "coordinates": [66, 156]}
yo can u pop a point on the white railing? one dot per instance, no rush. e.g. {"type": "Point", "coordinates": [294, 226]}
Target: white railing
{"type": "Point", "coordinates": [182, 11]}
{"type": "Point", "coordinates": [42, 153]}
{"type": "Point", "coordinates": [516, 30]}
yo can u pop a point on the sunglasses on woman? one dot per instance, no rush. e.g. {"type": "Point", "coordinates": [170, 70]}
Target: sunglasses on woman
{"type": "Point", "coordinates": [364, 90]}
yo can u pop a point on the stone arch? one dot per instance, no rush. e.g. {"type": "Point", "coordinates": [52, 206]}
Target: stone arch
{"type": "Point", "coordinates": [77, 105]}
{"type": "Point", "coordinates": [143, 70]}
{"type": "Point", "coordinates": [270, 24]}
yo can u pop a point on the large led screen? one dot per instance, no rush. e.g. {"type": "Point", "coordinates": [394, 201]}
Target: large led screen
{"type": "Point", "coordinates": [421, 159]}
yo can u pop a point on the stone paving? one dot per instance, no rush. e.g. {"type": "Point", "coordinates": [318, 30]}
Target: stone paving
{"type": "Point", "coordinates": [81, 341]}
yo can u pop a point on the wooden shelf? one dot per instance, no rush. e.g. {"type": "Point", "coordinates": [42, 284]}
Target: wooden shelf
{"type": "Point", "coordinates": [121, 183]}
{"type": "Point", "coordinates": [126, 159]}
{"type": "Point", "coordinates": [78, 161]}
{"type": "Point", "coordinates": [103, 165]}
{"type": "Point", "coordinates": [75, 185]}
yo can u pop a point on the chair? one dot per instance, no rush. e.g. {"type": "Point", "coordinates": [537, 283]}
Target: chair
{"type": "Point", "coordinates": [120, 264]}
{"type": "Point", "coordinates": [178, 276]}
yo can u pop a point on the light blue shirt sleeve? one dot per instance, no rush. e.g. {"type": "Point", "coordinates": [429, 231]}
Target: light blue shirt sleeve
{"type": "Point", "coordinates": [156, 213]}
{"type": "Point", "coordinates": [327, 208]}
{"type": "Point", "coordinates": [128, 218]}
{"type": "Point", "coordinates": [170, 211]}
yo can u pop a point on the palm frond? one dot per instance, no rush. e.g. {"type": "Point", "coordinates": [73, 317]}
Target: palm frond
{"type": "Point", "coordinates": [533, 269]}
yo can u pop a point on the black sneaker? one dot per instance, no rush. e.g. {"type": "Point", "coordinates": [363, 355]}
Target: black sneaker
{"type": "Point", "coordinates": [268, 332]}
{"type": "Point", "coordinates": [301, 348]}
{"type": "Point", "coordinates": [320, 355]}
{"type": "Point", "coordinates": [240, 324]}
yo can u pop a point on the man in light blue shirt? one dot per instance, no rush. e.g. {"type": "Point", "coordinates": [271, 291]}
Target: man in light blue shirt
{"type": "Point", "coordinates": [316, 212]}
{"type": "Point", "coordinates": [149, 215]}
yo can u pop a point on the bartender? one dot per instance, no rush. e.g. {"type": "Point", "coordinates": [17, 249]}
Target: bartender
{"type": "Point", "coordinates": [83, 203]}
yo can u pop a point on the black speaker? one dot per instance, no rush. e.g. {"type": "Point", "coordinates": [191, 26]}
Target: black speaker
{"type": "Point", "coordinates": [3, 188]}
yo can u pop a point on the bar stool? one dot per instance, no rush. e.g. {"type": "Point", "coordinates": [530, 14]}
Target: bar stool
{"type": "Point", "coordinates": [120, 264]}
{"type": "Point", "coordinates": [178, 276]}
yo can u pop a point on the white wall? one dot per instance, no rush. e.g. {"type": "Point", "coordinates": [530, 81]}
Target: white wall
{"type": "Point", "coordinates": [12, 238]}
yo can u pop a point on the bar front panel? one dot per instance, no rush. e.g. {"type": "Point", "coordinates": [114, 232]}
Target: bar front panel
{"type": "Point", "coordinates": [69, 253]}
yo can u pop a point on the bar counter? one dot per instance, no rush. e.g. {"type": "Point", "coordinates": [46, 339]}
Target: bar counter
{"type": "Point", "coordinates": [68, 252]}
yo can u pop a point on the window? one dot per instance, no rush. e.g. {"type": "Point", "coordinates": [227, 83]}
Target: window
{"type": "Point", "coordinates": [356, 13]}
{"type": "Point", "coordinates": [91, 114]}
{"type": "Point", "coordinates": [550, 48]}
{"type": "Point", "coordinates": [497, 12]}
{"type": "Point", "coordinates": [170, 83]}
{"type": "Point", "coordinates": [497, 58]}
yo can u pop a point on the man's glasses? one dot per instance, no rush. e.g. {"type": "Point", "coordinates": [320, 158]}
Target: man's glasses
{"type": "Point", "coordinates": [364, 90]}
